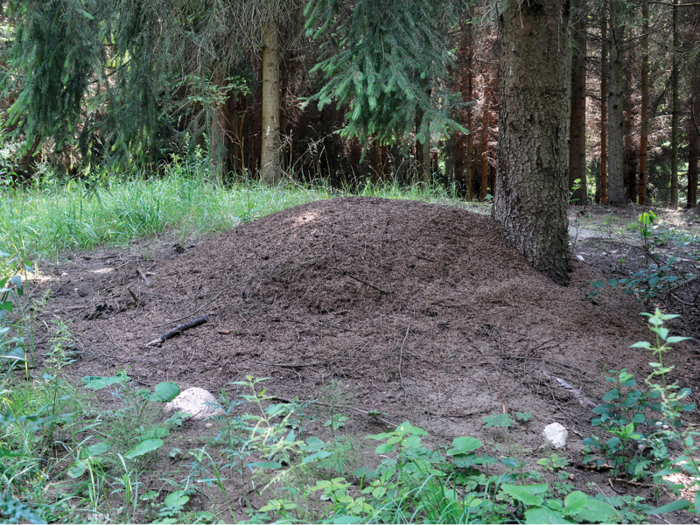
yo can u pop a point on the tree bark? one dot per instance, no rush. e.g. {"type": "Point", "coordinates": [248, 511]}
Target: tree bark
{"type": "Point", "coordinates": [531, 193]}
{"type": "Point", "coordinates": [630, 158]}
{"type": "Point", "coordinates": [422, 151]}
{"type": "Point", "coordinates": [271, 155]}
{"type": "Point", "coordinates": [577, 144]}
{"type": "Point", "coordinates": [616, 185]}
{"type": "Point", "coordinates": [465, 142]}
{"type": "Point", "coordinates": [675, 110]}
{"type": "Point", "coordinates": [220, 133]}
{"type": "Point", "coordinates": [693, 152]}
{"type": "Point", "coordinates": [644, 136]}
{"type": "Point", "coordinates": [694, 137]}
{"type": "Point", "coordinates": [603, 181]}
{"type": "Point", "coordinates": [485, 136]}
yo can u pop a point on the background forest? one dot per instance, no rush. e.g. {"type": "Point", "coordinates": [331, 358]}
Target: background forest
{"type": "Point", "coordinates": [342, 91]}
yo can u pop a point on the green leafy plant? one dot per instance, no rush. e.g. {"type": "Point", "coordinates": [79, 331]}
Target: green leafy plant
{"type": "Point", "coordinates": [647, 283]}
{"type": "Point", "coordinates": [642, 422]}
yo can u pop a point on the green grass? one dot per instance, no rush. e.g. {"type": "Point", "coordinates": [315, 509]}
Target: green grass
{"type": "Point", "coordinates": [55, 216]}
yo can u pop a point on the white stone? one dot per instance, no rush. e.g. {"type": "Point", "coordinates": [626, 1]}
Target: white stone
{"type": "Point", "coordinates": [556, 435]}
{"type": "Point", "coordinates": [196, 402]}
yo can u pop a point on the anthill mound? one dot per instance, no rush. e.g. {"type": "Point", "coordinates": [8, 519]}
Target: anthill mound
{"type": "Point", "coordinates": [421, 311]}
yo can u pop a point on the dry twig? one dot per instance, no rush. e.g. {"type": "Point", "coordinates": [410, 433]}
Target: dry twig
{"type": "Point", "coordinates": [178, 330]}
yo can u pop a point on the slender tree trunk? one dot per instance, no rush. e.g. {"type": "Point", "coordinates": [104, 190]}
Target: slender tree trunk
{"type": "Point", "coordinates": [377, 164]}
{"type": "Point", "coordinates": [616, 184]}
{"type": "Point", "coordinates": [422, 151]}
{"type": "Point", "coordinates": [577, 144]}
{"type": "Point", "coordinates": [604, 105]}
{"type": "Point", "coordinates": [271, 156]}
{"type": "Point", "coordinates": [531, 193]}
{"type": "Point", "coordinates": [644, 136]}
{"type": "Point", "coordinates": [675, 110]}
{"type": "Point", "coordinates": [470, 123]}
{"type": "Point", "coordinates": [464, 159]}
{"type": "Point", "coordinates": [485, 137]}
{"type": "Point", "coordinates": [220, 132]}
{"type": "Point", "coordinates": [630, 158]}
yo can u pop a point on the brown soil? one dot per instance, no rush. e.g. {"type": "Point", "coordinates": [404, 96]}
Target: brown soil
{"type": "Point", "coordinates": [420, 311]}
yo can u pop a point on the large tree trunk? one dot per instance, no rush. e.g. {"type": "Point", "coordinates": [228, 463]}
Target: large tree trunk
{"type": "Point", "coordinates": [577, 144]}
{"type": "Point", "coordinates": [616, 132]}
{"type": "Point", "coordinates": [644, 136]}
{"type": "Point", "coordinates": [271, 155]}
{"type": "Point", "coordinates": [603, 181]}
{"type": "Point", "coordinates": [693, 152]}
{"type": "Point", "coordinates": [675, 109]}
{"type": "Point", "coordinates": [531, 193]}
{"type": "Point", "coordinates": [694, 137]}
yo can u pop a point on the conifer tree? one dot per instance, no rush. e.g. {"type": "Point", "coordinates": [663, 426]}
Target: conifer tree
{"type": "Point", "coordinates": [387, 60]}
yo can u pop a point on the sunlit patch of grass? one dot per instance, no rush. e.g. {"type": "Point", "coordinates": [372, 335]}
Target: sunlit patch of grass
{"type": "Point", "coordinates": [55, 216]}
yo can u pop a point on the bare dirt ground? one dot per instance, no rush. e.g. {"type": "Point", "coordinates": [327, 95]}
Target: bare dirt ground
{"type": "Point", "coordinates": [419, 311]}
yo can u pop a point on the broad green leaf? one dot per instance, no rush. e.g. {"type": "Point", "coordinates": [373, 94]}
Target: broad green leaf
{"type": "Point", "coordinates": [77, 470]}
{"type": "Point", "coordinates": [671, 507]}
{"type": "Point", "coordinates": [545, 515]}
{"type": "Point", "coordinates": [596, 511]}
{"type": "Point", "coordinates": [677, 339]}
{"type": "Point", "coordinates": [265, 464]}
{"type": "Point", "coordinates": [146, 446]}
{"type": "Point", "coordinates": [317, 455]}
{"type": "Point", "coordinates": [7, 453]}
{"type": "Point", "coordinates": [98, 383]}
{"type": "Point", "coordinates": [155, 433]}
{"type": "Point", "coordinates": [641, 344]}
{"type": "Point", "coordinates": [16, 354]}
{"type": "Point", "coordinates": [575, 502]}
{"type": "Point", "coordinates": [176, 499]}
{"type": "Point", "coordinates": [464, 445]}
{"type": "Point", "coordinates": [526, 494]}
{"type": "Point", "coordinates": [167, 391]}
{"type": "Point", "coordinates": [343, 520]}
{"type": "Point", "coordinates": [97, 449]}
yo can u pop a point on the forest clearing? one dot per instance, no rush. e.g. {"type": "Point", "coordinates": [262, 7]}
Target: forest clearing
{"type": "Point", "coordinates": [358, 261]}
{"type": "Point", "coordinates": [362, 313]}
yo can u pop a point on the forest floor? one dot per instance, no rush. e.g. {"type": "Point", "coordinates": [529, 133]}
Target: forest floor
{"type": "Point", "coordinates": [419, 311]}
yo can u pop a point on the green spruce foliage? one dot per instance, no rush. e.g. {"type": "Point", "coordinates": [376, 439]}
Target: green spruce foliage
{"type": "Point", "coordinates": [387, 60]}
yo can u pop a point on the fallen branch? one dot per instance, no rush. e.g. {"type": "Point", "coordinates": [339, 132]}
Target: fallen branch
{"type": "Point", "coordinates": [366, 283]}
{"type": "Point", "coordinates": [578, 395]}
{"type": "Point", "coordinates": [143, 276]}
{"type": "Point", "coordinates": [178, 330]}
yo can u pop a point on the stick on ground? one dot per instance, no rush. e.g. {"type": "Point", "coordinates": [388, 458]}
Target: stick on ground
{"type": "Point", "coordinates": [179, 329]}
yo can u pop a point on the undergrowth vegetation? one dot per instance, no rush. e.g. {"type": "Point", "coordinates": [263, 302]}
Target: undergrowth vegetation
{"type": "Point", "coordinates": [65, 459]}
{"type": "Point", "coordinates": [55, 215]}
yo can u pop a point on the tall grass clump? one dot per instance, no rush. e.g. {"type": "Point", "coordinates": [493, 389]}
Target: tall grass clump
{"type": "Point", "coordinates": [55, 215]}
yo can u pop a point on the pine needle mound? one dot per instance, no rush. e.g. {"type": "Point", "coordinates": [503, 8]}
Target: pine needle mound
{"type": "Point", "coordinates": [421, 311]}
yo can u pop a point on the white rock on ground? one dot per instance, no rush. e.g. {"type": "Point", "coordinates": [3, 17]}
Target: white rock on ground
{"type": "Point", "coordinates": [556, 435]}
{"type": "Point", "coordinates": [196, 402]}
